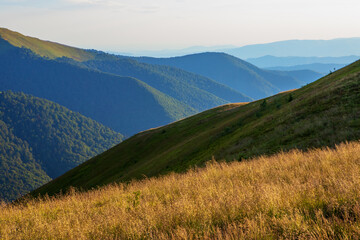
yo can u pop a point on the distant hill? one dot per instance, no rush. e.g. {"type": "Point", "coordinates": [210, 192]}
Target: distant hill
{"type": "Point", "coordinates": [321, 68]}
{"type": "Point", "coordinates": [174, 52]}
{"type": "Point", "coordinates": [301, 48]}
{"type": "Point", "coordinates": [302, 76]}
{"type": "Point", "coordinates": [272, 61]}
{"type": "Point", "coordinates": [236, 73]}
{"type": "Point", "coordinates": [124, 104]}
{"type": "Point", "coordinates": [41, 140]}
{"type": "Point", "coordinates": [192, 89]}
{"type": "Point", "coordinates": [321, 65]}
{"type": "Point", "coordinates": [323, 113]}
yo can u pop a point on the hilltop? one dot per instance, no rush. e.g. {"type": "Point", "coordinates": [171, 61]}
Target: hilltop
{"type": "Point", "coordinates": [322, 113]}
{"type": "Point", "coordinates": [47, 49]}
{"type": "Point", "coordinates": [40, 140]}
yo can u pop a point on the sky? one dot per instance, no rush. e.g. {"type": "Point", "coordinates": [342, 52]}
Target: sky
{"type": "Point", "coordinates": [132, 25]}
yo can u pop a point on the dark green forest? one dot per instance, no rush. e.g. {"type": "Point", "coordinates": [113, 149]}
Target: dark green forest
{"type": "Point", "coordinates": [41, 140]}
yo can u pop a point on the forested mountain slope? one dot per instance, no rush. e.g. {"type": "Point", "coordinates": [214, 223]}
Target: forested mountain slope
{"type": "Point", "coordinates": [41, 140]}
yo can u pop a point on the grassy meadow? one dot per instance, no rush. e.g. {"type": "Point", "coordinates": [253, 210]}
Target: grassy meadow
{"type": "Point", "coordinates": [293, 195]}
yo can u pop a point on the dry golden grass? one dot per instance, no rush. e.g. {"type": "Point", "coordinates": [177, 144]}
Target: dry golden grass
{"type": "Point", "coordinates": [295, 195]}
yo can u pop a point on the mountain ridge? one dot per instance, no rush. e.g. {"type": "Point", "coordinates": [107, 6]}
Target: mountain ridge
{"type": "Point", "coordinates": [303, 48]}
{"type": "Point", "coordinates": [235, 73]}
{"type": "Point", "coordinates": [48, 49]}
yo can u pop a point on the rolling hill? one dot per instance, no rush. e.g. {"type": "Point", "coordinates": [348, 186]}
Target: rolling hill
{"type": "Point", "coordinates": [124, 104]}
{"type": "Point", "coordinates": [236, 73]}
{"type": "Point", "coordinates": [41, 140]}
{"type": "Point", "coordinates": [321, 65]}
{"type": "Point", "coordinates": [321, 68]}
{"type": "Point", "coordinates": [195, 90]}
{"type": "Point", "coordinates": [187, 87]}
{"type": "Point", "coordinates": [272, 61]}
{"type": "Point", "coordinates": [91, 82]}
{"type": "Point", "coordinates": [323, 113]}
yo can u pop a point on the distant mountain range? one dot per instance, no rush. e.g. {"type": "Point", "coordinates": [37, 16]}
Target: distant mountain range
{"type": "Point", "coordinates": [236, 73]}
{"type": "Point", "coordinates": [40, 140]}
{"type": "Point", "coordinates": [192, 89]}
{"type": "Point", "coordinates": [172, 52]}
{"type": "Point", "coordinates": [301, 48]}
{"type": "Point", "coordinates": [316, 67]}
{"type": "Point", "coordinates": [90, 82]}
{"type": "Point", "coordinates": [273, 61]}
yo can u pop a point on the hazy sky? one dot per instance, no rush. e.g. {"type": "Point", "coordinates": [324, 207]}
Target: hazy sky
{"type": "Point", "coordinates": [126, 25]}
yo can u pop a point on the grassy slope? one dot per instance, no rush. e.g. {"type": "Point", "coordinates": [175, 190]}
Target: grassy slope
{"type": "Point", "coordinates": [240, 200]}
{"type": "Point", "coordinates": [46, 49]}
{"type": "Point", "coordinates": [323, 113]}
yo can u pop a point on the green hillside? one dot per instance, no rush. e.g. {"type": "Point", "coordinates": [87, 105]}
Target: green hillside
{"type": "Point", "coordinates": [322, 113]}
{"type": "Point", "coordinates": [41, 140]}
{"type": "Point", "coordinates": [45, 49]}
